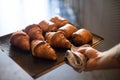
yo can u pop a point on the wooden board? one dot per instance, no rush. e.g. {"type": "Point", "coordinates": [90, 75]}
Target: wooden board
{"type": "Point", "coordinates": [36, 67]}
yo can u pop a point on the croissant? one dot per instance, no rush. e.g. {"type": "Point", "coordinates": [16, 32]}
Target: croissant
{"type": "Point", "coordinates": [48, 26]}
{"type": "Point", "coordinates": [57, 39]}
{"type": "Point", "coordinates": [34, 31]}
{"type": "Point", "coordinates": [42, 49]}
{"type": "Point", "coordinates": [68, 29]}
{"type": "Point", "coordinates": [21, 40]}
{"type": "Point", "coordinates": [82, 36]}
{"type": "Point", "coordinates": [59, 21]}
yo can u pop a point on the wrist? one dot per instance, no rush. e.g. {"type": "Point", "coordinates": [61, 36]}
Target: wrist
{"type": "Point", "coordinates": [107, 60]}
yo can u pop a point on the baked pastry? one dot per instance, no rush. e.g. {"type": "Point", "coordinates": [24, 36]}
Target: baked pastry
{"type": "Point", "coordinates": [59, 21]}
{"type": "Point", "coordinates": [48, 26]}
{"type": "Point", "coordinates": [42, 49]}
{"type": "Point", "coordinates": [21, 40]}
{"type": "Point", "coordinates": [57, 39]}
{"type": "Point", "coordinates": [82, 36]}
{"type": "Point", "coordinates": [68, 29]}
{"type": "Point", "coordinates": [34, 31]}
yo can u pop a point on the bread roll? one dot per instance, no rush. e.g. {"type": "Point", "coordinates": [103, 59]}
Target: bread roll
{"type": "Point", "coordinates": [82, 36]}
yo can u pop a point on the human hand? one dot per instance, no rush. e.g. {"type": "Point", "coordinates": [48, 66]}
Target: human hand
{"type": "Point", "coordinates": [93, 56]}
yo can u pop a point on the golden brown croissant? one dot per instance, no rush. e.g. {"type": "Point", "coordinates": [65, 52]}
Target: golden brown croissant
{"type": "Point", "coordinates": [57, 39]}
{"type": "Point", "coordinates": [68, 29]}
{"type": "Point", "coordinates": [82, 36]}
{"type": "Point", "coordinates": [34, 31]}
{"type": "Point", "coordinates": [21, 40]}
{"type": "Point", "coordinates": [59, 21]}
{"type": "Point", "coordinates": [42, 49]}
{"type": "Point", "coordinates": [48, 26]}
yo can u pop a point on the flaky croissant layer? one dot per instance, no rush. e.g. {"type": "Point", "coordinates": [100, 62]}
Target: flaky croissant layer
{"type": "Point", "coordinates": [42, 49]}
{"type": "Point", "coordinates": [59, 21]}
{"type": "Point", "coordinates": [57, 39]}
{"type": "Point", "coordinates": [47, 26]}
{"type": "Point", "coordinates": [21, 40]}
{"type": "Point", "coordinates": [34, 31]}
{"type": "Point", "coordinates": [68, 29]}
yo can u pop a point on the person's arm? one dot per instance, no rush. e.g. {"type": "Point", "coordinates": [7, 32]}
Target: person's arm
{"type": "Point", "coordinates": [101, 60]}
{"type": "Point", "coordinates": [110, 58]}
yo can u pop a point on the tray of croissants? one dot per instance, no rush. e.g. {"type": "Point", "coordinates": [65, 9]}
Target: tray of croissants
{"type": "Point", "coordinates": [39, 48]}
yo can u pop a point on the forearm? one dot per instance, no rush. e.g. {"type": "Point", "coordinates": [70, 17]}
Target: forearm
{"type": "Point", "coordinates": [110, 59]}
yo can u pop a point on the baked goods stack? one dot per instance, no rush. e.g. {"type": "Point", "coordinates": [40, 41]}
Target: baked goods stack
{"type": "Point", "coordinates": [42, 38]}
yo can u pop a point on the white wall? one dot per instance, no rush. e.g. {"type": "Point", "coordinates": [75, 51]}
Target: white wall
{"type": "Point", "coordinates": [17, 14]}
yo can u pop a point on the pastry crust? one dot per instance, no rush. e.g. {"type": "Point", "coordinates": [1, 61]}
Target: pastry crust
{"type": "Point", "coordinates": [34, 31]}
{"type": "Point", "coordinates": [59, 21]}
{"type": "Point", "coordinates": [42, 49]}
{"type": "Point", "coordinates": [21, 40]}
{"type": "Point", "coordinates": [48, 26]}
{"type": "Point", "coordinates": [57, 39]}
{"type": "Point", "coordinates": [68, 29]}
{"type": "Point", "coordinates": [82, 36]}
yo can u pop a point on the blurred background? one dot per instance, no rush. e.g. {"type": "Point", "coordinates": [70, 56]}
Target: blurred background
{"type": "Point", "coordinates": [17, 14]}
{"type": "Point", "coordinates": [101, 17]}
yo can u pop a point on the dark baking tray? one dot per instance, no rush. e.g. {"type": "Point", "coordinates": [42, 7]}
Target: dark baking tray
{"type": "Point", "coordinates": [32, 65]}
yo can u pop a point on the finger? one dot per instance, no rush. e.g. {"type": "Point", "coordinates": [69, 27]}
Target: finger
{"type": "Point", "coordinates": [81, 49]}
{"type": "Point", "coordinates": [91, 52]}
{"type": "Point", "coordinates": [86, 45]}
